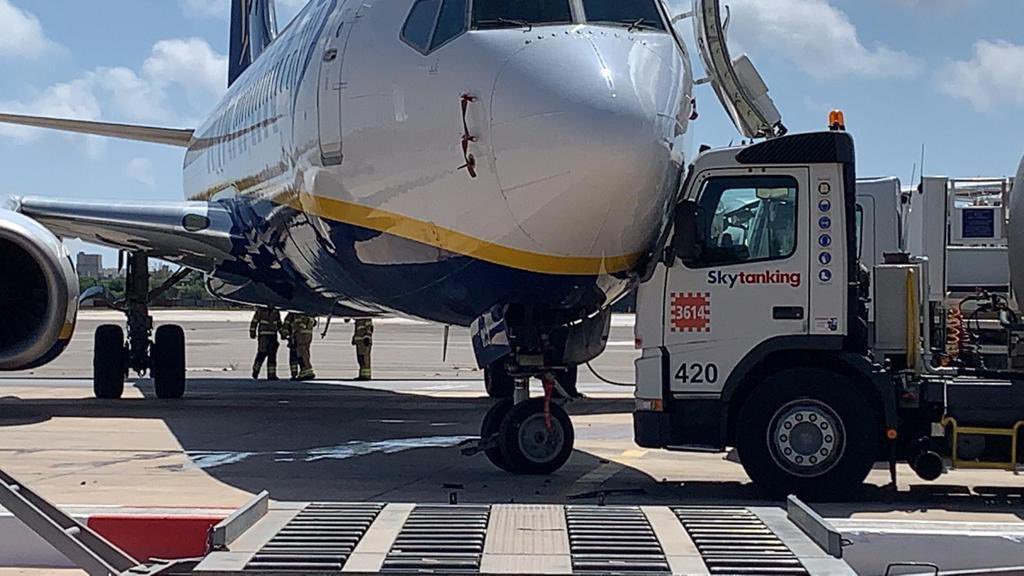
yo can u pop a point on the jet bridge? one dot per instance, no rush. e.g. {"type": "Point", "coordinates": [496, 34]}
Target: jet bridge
{"type": "Point", "coordinates": [403, 538]}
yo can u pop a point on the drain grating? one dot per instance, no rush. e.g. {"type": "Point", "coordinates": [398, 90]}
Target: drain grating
{"type": "Point", "coordinates": [440, 540]}
{"type": "Point", "coordinates": [319, 539]}
{"type": "Point", "coordinates": [735, 541]}
{"type": "Point", "coordinates": [613, 540]}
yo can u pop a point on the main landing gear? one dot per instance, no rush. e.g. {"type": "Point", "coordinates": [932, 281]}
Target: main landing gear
{"type": "Point", "coordinates": [526, 435]}
{"type": "Point", "coordinates": [163, 356]}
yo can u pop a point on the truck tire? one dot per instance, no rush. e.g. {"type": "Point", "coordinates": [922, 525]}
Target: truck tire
{"type": "Point", "coordinates": [490, 426]}
{"type": "Point", "coordinates": [168, 354]}
{"type": "Point", "coordinates": [498, 382]}
{"type": "Point", "coordinates": [108, 362]}
{"type": "Point", "coordinates": [809, 432]}
{"type": "Point", "coordinates": [529, 447]}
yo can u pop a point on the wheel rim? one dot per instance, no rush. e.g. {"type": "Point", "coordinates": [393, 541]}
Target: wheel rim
{"type": "Point", "coordinates": [806, 437]}
{"type": "Point", "coordinates": [538, 444]}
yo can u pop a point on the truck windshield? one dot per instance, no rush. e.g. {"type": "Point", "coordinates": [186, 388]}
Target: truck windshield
{"type": "Point", "coordinates": [638, 14]}
{"type": "Point", "coordinates": [520, 13]}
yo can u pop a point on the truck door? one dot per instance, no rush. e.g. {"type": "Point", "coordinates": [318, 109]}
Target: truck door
{"type": "Point", "coordinates": [330, 96]}
{"type": "Point", "coordinates": [747, 282]}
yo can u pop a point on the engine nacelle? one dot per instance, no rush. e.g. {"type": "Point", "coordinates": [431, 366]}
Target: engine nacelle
{"type": "Point", "coordinates": [38, 294]}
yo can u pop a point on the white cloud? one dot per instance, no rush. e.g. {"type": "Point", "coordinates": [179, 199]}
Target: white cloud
{"type": "Point", "coordinates": [816, 36]}
{"type": "Point", "coordinates": [141, 170]}
{"type": "Point", "coordinates": [22, 34]}
{"type": "Point", "coordinates": [189, 63]}
{"type": "Point", "coordinates": [187, 67]}
{"type": "Point", "coordinates": [993, 76]}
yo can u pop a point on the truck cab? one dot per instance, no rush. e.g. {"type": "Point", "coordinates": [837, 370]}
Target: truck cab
{"type": "Point", "coordinates": [755, 333]}
{"type": "Point", "coordinates": [759, 280]}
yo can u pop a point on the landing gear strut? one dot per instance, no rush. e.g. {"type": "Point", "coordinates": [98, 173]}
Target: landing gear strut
{"type": "Point", "coordinates": [163, 357]}
{"type": "Point", "coordinates": [526, 435]}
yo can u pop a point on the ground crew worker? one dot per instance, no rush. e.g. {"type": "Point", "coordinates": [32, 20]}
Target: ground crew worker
{"type": "Point", "coordinates": [362, 339]}
{"type": "Point", "coordinates": [298, 330]}
{"type": "Point", "coordinates": [266, 322]}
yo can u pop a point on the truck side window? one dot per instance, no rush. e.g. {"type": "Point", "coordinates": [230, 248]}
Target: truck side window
{"type": "Point", "coordinates": [746, 219]}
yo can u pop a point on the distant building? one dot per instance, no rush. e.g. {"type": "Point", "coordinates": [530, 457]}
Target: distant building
{"type": "Point", "coordinates": [89, 265]}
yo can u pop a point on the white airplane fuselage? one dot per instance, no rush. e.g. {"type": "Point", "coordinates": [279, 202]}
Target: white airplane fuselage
{"type": "Point", "coordinates": [340, 154]}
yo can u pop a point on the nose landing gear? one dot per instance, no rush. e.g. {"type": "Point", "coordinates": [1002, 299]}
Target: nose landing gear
{"type": "Point", "coordinates": [526, 435]}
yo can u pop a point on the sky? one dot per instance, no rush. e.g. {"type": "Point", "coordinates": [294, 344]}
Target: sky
{"type": "Point", "coordinates": [945, 74]}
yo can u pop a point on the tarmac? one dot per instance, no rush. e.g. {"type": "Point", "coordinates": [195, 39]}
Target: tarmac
{"type": "Point", "coordinates": [397, 439]}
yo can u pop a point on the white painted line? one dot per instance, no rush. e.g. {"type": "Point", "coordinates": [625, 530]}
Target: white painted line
{"type": "Point", "coordinates": [1010, 530]}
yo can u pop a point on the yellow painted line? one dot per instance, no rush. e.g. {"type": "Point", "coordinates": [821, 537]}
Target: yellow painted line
{"type": "Point", "coordinates": [457, 242]}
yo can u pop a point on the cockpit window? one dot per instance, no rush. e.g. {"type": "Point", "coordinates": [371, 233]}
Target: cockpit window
{"type": "Point", "coordinates": [636, 14]}
{"type": "Point", "coordinates": [420, 24]}
{"type": "Point", "coordinates": [432, 23]}
{"type": "Point", "coordinates": [450, 23]}
{"type": "Point", "coordinates": [520, 13]}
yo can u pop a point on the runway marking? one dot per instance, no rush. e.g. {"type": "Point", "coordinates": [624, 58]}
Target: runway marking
{"type": "Point", "coordinates": [206, 459]}
{"type": "Point", "coordinates": [1008, 530]}
{"type": "Point", "coordinates": [442, 387]}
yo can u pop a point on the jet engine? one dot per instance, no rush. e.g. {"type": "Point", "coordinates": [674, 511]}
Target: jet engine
{"type": "Point", "coordinates": [38, 293]}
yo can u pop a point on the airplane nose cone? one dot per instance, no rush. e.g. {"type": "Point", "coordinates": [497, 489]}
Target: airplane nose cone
{"type": "Point", "coordinates": [581, 128]}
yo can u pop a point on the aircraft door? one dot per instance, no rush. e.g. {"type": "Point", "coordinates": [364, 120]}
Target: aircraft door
{"type": "Point", "coordinates": [330, 97]}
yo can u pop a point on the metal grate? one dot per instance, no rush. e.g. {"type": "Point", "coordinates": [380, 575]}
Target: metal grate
{"type": "Point", "coordinates": [613, 540]}
{"type": "Point", "coordinates": [735, 541]}
{"type": "Point", "coordinates": [440, 540]}
{"type": "Point", "coordinates": [319, 539]}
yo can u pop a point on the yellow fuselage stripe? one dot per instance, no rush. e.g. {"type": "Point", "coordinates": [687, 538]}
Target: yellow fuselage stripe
{"type": "Point", "coordinates": [457, 242]}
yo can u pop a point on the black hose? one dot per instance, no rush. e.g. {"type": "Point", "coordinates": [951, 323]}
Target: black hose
{"type": "Point", "coordinates": [607, 381]}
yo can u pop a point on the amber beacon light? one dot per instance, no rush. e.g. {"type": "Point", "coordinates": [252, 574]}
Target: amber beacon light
{"type": "Point", "coordinates": [836, 121]}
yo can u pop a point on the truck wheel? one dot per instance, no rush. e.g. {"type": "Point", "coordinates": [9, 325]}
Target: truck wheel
{"type": "Point", "coordinates": [490, 426]}
{"type": "Point", "coordinates": [808, 432]}
{"type": "Point", "coordinates": [528, 445]}
{"type": "Point", "coordinates": [168, 354]}
{"type": "Point", "coordinates": [498, 382]}
{"type": "Point", "coordinates": [108, 362]}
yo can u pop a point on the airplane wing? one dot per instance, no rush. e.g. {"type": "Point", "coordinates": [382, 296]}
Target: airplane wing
{"type": "Point", "coordinates": [199, 235]}
{"type": "Point", "coordinates": [169, 136]}
{"type": "Point", "coordinates": [196, 234]}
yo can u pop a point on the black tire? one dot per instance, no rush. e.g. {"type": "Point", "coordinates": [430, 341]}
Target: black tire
{"type": "Point", "coordinates": [527, 445]}
{"type": "Point", "coordinates": [168, 367]}
{"type": "Point", "coordinates": [109, 361]}
{"type": "Point", "coordinates": [498, 382]}
{"type": "Point", "coordinates": [815, 402]}
{"type": "Point", "coordinates": [490, 426]}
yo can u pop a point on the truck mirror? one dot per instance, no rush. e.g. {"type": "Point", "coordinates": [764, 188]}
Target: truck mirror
{"type": "Point", "coordinates": [685, 242]}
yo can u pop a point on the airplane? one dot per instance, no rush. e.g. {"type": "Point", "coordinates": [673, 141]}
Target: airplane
{"type": "Point", "coordinates": [507, 165]}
